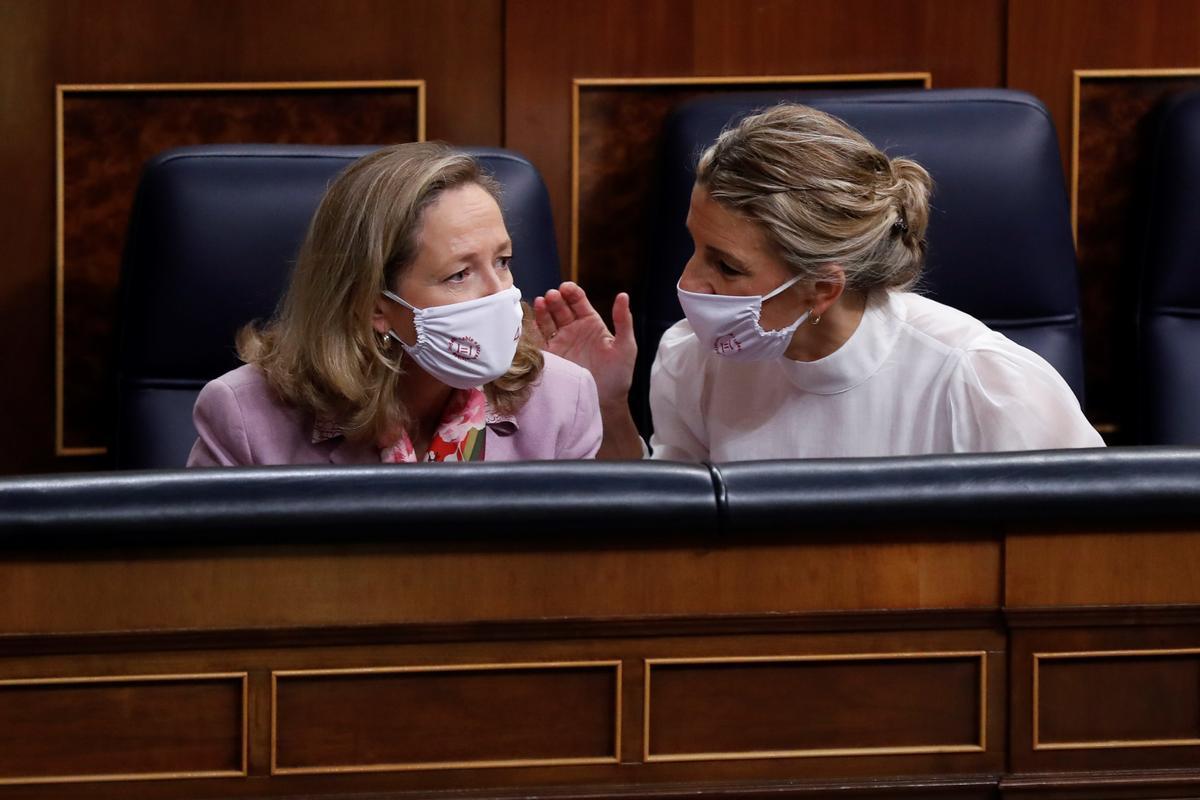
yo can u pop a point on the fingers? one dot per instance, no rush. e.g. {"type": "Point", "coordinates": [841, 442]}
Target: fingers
{"type": "Point", "coordinates": [623, 323]}
{"type": "Point", "coordinates": [560, 311]}
{"type": "Point", "coordinates": [576, 299]}
{"type": "Point", "coordinates": [541, 316]}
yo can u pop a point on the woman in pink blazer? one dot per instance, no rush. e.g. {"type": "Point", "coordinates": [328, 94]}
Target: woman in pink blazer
{"type": "Point", "coordinates": [401, 337]}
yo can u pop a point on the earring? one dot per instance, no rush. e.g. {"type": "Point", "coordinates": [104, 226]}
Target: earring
{"type": "Point", "coordinates": [385, 342]}
{"type": "Point", "coordinates": [815, 320]}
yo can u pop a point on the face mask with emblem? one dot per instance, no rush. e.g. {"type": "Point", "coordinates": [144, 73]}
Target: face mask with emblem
{"type": "Point", "coordinates": [728, 325]}
{"type": "Point", "coordinates": [465, 344]}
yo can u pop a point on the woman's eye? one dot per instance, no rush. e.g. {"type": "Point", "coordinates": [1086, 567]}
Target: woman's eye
{"type": "Point", "coordinates": [457, 277]}
{"type": "Point", "coordinates": [503, 262]}
{"type": "Point", "coordinates": [727, 270]}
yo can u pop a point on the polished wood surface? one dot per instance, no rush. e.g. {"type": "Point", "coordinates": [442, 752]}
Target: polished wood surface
{"type": "Point", "coordinates": [454, 45]}
{"type": "Point", "coordinates": [255, 587]}
{"type": "Point", "coordinates": [446, 717]}
{"type": "Point", "coordinates": [1097, 699]}
{"type": "Point", "coordinates": [1073, 655]}
{"type": "Point", "coordinates": [121, 728]}
{"type": "Point", "coordinates": [1108, 568]}
{"type": "Point", "coordinates": [1104, 698]}
{"type": "Point", "coordinates": [708, 709]}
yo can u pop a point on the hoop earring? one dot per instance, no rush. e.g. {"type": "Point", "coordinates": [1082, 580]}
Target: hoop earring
{"type": "Point", "coordinates": [815, 320]}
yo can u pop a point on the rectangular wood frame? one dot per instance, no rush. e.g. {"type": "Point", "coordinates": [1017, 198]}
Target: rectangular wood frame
{"type": "Point", "coordinates": [60, 93]}
{"type": "Point", "coordinates": [580, 85]}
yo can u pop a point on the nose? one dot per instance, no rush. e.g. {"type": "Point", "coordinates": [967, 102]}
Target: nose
{"type": "Point", "coordinates": [691, 280]}
{"type": "Point", "coordinates": [496, 280]}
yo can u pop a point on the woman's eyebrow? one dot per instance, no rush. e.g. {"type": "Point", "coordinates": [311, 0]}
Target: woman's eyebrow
{"type": "Point", "coordinates": [504, 245]}
{"type": "Point", "coordinates": [721, 254]}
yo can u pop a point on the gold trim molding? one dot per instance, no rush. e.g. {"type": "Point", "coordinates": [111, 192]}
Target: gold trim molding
{"type": "Point", "coordinates": [63, 89]}
{"type": "Point", "coordinates": [1078, 77]}
{"type": "Point", "coordinates": [579, 85]}
{"type": "Point", "coordinates": [615, 758]}
{"type": "Point", "coordinates": [1138, 744]}
{"type": "Point", "coordinates": [141, 776]}
{"type": "Point", "coordinates": [980, 747]}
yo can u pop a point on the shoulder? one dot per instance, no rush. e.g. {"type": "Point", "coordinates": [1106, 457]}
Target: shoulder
{"type": "Point", "coordinates": [242, 401]}
{"type": "Point", "coordinates": [560, 419]}
{"type": "Point", "coordinates": [969, 345]}
{"type": "Point", "coordinates": [939, 326]}
{"type": "Point", "coordinates": [559, 373]}
{"type": "Point", "coordinates": [558, 390]}
{"type": "Point", "coordinates": [245, 388]}
{"type": "Point", "coordinates": [679, 351]}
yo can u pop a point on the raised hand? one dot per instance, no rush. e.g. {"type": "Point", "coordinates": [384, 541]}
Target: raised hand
{"type": "Point", "coordinates": [574, 330]}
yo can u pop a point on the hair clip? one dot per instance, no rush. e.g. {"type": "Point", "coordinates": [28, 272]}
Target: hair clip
{"type": "Point", "coordinates": [900, 225]}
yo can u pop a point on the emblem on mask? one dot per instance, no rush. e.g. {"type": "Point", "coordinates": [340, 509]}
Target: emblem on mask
{"type": "Point", "coordinates": [464, 347]}
{"type": "Point", "coordinates": [726, 344]}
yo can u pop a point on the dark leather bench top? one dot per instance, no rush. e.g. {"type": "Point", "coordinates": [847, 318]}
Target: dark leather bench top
{"type": "Point", "coordinates": [568, 502]}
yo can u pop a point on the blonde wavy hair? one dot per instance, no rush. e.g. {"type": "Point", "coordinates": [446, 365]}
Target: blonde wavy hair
{"type": "Point", "coordinates": [319, 351]}
{"type": "Point", "coordinates": [823, 195]}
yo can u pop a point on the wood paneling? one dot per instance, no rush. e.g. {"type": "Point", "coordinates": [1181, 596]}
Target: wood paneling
{"type": "Point", "coordinates": [108, 134]}
{"type": "Point", "coordinates": [454, 45]}
{"type": "Point", "coordinates": [390, 584]}
{"type": "Point", "coordinates": [1115, 133]}
{"type": "Point", "coordinates": [1047, 42]}
{"type": "Point", "coordinates": [1110, 699]}
{"type": "Point", "coordinates": [816, 706]}
{"type": "Point", "coordinates": [121, 728]}
{"type": "Point", "coordinates": [549, 43]}
{"type": "Point", "coordinates": [1108, 568]}
{"type": "Point", "coordinates": [446, 717]}
{"type": "Point", "coordinates": [1119, 698]}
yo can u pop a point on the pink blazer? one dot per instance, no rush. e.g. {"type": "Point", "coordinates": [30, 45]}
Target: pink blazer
{"type": "Point", "coordinates": [241, 422]}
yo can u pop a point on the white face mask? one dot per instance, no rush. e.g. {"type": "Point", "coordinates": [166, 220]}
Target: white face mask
{"type": "Point", "coordinates": [466, 344]}
{"type": "Point", "coordinates": [729, 324]}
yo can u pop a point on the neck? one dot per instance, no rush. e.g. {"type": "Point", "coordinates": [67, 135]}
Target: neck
{"type": "Point", "coordinates": [425, 398]}
{"type": "Point", "coordinates": [837, 325]}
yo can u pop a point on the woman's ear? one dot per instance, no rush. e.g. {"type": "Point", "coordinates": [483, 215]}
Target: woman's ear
{"type": "Point", "coordinates": [379, 320]}
{"type": "Point", "coordinates": [828, 290]}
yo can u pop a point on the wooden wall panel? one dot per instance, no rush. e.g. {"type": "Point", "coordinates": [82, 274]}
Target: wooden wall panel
{"type": "Point", "coordinates": [549, 43]}
{"type": "Point", "coordinates": [1117, 698]}
{"type": "Point", "coordinates": [1100, 699]}
{"type": "Point", "coordinates": [1047, 43]}
{"type": "Point", "coordinates": [454, 45]}
{"type": "Point", "coordinates": [122, 728]}
{"type": "Point", "coordinates": [27, 235]}
{"type": "Point", "coordinates": [1101, 568]}
{"type": "Point", "coordinates": [446, 717]}
{"type": "Point", "coordinates": [848, 706]}
{"type": "Point", "coordinates": [393, 584]}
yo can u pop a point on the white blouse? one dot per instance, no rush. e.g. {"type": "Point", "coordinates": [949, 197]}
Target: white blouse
{"type": "Point", "coordinates": [916, 377]}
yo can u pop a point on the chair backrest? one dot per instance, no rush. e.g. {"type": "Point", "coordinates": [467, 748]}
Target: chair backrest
{"type": "Point", "coordinates": [213, 235]}
{"type": "Point", "coordinates": [1000, 245]}
{"type": "Point", "coordinates": [1169, 302]}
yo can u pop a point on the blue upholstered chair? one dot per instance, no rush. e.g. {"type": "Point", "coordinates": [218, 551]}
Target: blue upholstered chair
{"type": "Point", "coordinates": [213, 234]}
{"type": "Point", "coordinates": [1168, 389]}
{"type": "Point", "coordinates": [1000, 243]}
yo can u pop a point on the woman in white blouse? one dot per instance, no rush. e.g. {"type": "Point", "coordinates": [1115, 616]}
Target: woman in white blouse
{"type": "Point", "coordinates": [802, 338]}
